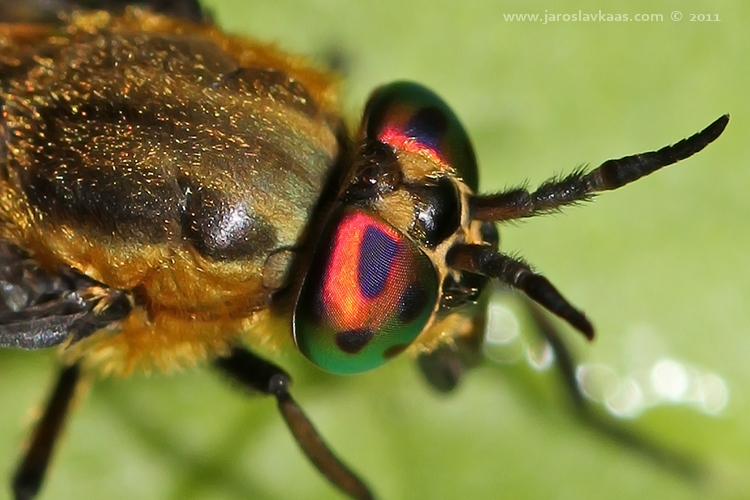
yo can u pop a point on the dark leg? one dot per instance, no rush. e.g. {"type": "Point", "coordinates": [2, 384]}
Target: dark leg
{"type": "Point", "coordinates": [30, 473]}
{"type": "Point", "coordinates": [260, 375]}
{"type": "Point", "coordinates": [566, 366]}
{"type": "Point", "coordinates": [580, 186]}
{"type": "Point", "coordinates": [444, 366]}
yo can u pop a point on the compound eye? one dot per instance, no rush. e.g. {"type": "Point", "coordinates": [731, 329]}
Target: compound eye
{"type": "Point", "coordinates": [410, 117]}
{"type": "Point", "coordinates": [369, 292]}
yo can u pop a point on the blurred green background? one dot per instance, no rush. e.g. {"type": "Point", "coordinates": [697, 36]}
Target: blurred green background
{"type": "Point", "coordinates": [661, 267]}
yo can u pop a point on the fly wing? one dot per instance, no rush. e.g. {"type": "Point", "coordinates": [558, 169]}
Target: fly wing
{"type": "Point", "coordinates": [40, 309]}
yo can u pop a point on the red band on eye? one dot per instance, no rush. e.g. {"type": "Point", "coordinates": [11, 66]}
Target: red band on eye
{"type": "Point", "coordinates": [362, 281]}
{"type": "Point", "coordinates": [395, 135]}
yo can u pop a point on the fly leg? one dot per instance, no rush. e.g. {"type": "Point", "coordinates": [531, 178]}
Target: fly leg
{"type": "Point", "coordinates": [257, 374]}
{"type": "Point", "coordinates": [594, 419]}
{"type": "Point", "coordinates": [30, 473]}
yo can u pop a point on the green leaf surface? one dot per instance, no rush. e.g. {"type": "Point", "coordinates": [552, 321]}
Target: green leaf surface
{"type": "Point", "coordinates": [661, 267]}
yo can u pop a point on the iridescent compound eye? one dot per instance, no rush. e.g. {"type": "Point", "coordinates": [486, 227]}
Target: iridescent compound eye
{"type": "Point", "coordinates": [410, 117]}
{"type": "Point", "coordinates": [368, 294]}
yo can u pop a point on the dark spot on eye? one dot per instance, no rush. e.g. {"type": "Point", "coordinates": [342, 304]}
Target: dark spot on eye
{"type": "Point", "coordinates": [428, 125]}
{"type": "Point", "coordinates": [376, 254]}
{"type": "Point", "coordinates": [394, 351]}
{"type": "Point", "coordinates": [353, 341]}
{"type": "Point", "coordinates": [413, 302]}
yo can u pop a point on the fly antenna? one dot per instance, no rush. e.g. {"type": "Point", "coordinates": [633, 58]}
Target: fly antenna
{"type": "Point", "coordinates": [581, 186]}
{"type": "Point", "coordinates": [483, 259]}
